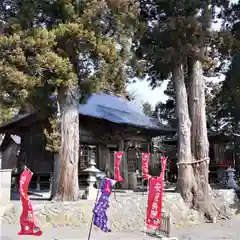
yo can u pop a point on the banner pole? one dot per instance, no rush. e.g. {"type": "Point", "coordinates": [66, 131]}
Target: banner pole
{"type": "Point", "coordinates": [91, 225]}
{"type": "Point", "coordinates": [114, 175]}
{"type": "Point", "coordinates": [125, 167]}
{"type": "Point", "coordinates": [142, 175]}
{"type": "Point", "coordinates": [146, 228]}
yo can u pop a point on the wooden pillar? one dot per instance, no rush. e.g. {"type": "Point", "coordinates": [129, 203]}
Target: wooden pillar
{"type": "Point", "coordinates": [50, 182]}
{"type": "Point", "coordinates": [102, 157]}
{"type": "Point", "coordinates": [38, 184]}
{"type": "Point", "coordinates": [125, 165]}
{"type": "Point", "coordinates": [1, 155]}
{"type": "Point", "coordinates": [216, 153]}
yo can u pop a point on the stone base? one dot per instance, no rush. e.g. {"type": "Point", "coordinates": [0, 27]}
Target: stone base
{"type": "Point", "coordinates": [132, 181]}
{"type": "Point", "coordinates": [92, 194]}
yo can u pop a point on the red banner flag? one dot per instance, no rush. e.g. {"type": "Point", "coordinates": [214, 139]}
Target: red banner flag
{"type": "Point", "coordinates": [28, 226]}
{"type": "Point", "coordinates": [164, 163]}
{"type": "Point", "coordinates": [154, 211]}
{"type": "Point", "coordinates": [155, 199]}
{"type": "Point", "coordinates": [118, 158]}
{"type": "Point", "coordinates": [145, 162]}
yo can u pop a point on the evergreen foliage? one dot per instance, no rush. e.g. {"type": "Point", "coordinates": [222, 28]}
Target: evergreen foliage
{"type": "Point", "coordinates": [147, 109]}
{"type": "Point", "coordinates": [178, 31]}
{"type": "Point", "coordinates": [79, 44]}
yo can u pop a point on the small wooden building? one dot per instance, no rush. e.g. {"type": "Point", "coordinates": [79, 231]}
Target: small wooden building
{"type": "Point", "coordinates": [221, 156]}
{"type": "Point", "coordinates": [9, 150]}
{"type": "Point", "coordinates": [108, 123]}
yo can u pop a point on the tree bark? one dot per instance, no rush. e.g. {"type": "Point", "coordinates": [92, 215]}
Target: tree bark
{"type": "Point", "coordinates": [68, 187]}
{"type": "Point", "coordinates": [56, 174]}
{"type": "Point", "coordinates": [185, 173]}
{"type": "Point", "coordinates": [202, 199]}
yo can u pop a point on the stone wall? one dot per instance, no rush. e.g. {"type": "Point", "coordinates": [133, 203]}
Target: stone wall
{"type": "Point", "coordinates": [126, 212]}
{"type": "Point", "coordinates": [5, 186]}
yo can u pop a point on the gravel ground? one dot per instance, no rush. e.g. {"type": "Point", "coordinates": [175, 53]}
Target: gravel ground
{"type": "Point", "coordinates": [227, 230]}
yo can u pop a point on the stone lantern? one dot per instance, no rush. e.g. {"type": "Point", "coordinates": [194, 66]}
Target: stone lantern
{"type": "Point", "coordinates": [93, 172]}
{"type": "Point", "coordinates": [231, 183]}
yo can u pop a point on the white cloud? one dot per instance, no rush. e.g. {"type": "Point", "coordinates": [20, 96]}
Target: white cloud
{"type": "Point", "coordinates": [144, 93]}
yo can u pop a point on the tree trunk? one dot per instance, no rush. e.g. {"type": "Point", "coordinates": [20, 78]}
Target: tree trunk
{"type": "Point", "coordinates": [68, 188]}
{"type": "Point", "coordinates": [56, 174]}
{"type": "Point", "coordinates": [199, 140]}
{"type": "Point", "coordinates": [185, 173]}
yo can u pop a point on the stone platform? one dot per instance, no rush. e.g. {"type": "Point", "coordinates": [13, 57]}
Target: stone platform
{"type": "Point", "coordinates": [126, 213]}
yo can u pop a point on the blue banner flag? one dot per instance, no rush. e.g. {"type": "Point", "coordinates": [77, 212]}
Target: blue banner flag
{"type": "Point", "coordinates": [100, 210]}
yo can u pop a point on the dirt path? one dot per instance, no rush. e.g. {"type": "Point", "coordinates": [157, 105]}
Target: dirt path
{"type": "Point", "coordinates": [227, 230]}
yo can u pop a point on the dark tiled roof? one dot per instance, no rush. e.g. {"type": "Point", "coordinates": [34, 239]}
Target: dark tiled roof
{"type": "Point", "coordinates": [118, 110]}
{"type": "Point", "coordinates": [108, 107]}
{"type": "Point", "coordinates": [15, 119]}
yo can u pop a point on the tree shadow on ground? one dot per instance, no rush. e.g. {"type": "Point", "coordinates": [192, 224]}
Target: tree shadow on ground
{"type": "Point", "coordinates": [32, 196]}
{"type": "Point", "coordinates": [154, 235]}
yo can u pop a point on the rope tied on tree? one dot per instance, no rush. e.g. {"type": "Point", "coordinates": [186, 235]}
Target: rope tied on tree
{"type": "Point", "coordinates": [194, 162]}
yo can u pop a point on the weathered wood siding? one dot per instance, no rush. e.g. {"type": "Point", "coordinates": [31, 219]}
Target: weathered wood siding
{"type": "Point", "coordinates": [95, 135]}
{"type": "Point", "coordinates": [33, 152]}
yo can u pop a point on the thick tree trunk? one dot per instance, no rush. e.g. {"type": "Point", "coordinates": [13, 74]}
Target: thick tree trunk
{"type": "Point", "coordinates": [56, 174]}
{"type": "Point", "coordinates": [68, 188]}
{"type": "Point", "coordinates": [185, 174]}
{"type": "Point", "coordinates": [199, 140]}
